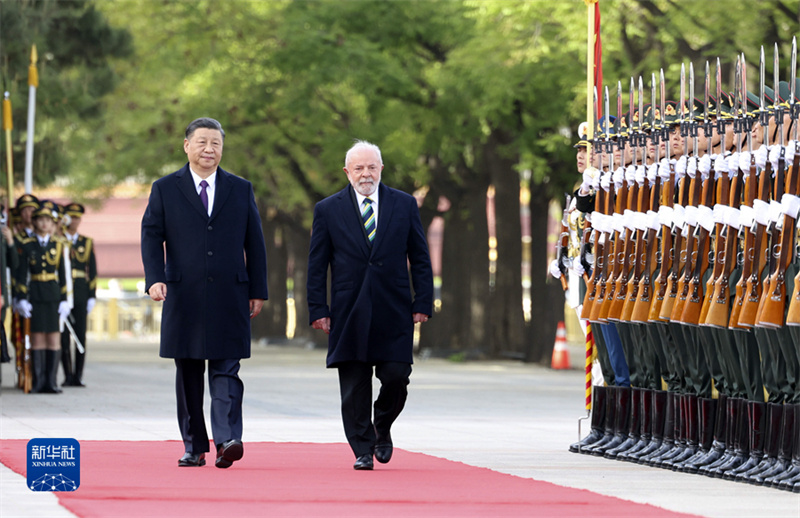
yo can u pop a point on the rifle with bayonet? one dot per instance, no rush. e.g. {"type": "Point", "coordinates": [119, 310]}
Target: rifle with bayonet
{"type": "Point", "coordinates": [563, 245]}
{"type": "Point", "coordinates": [752, 298]}
{"type": "Point", "coordinates": [599, 204]}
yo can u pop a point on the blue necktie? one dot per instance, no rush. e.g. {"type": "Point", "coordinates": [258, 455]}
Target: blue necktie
{"type": "Point", "coordinates": [204, 194]}
{"type": "Point", "coordinates": [368, 215]}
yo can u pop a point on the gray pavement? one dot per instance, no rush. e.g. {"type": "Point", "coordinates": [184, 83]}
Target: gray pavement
{"type": "Point", "coordinates": [503, 415]}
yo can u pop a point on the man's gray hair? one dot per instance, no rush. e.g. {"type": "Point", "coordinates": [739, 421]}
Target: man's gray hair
{"type": "Point", "coordinates": [203, 122]}
{"type": "Point", "coordinates": [361, 145]}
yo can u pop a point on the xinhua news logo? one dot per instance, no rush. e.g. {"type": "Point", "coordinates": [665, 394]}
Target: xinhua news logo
{"type": "Point", "coordinates": [54, 465]}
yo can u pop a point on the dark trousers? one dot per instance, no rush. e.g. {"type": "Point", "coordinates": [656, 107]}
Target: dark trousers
{"type": "Point", "coordinates": [226, 391]}
{"type": "Point", "coordinates": [355, 385]}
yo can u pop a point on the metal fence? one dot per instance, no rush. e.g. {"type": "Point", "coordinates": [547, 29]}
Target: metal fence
{"type": "Point", "coordinates": [124, 314]}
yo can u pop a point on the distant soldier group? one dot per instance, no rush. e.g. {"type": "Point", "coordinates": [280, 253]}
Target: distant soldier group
{"type": "Point", "coordinates": [50, 286]}
{"type": "Point", "coordinates": [689, 261]}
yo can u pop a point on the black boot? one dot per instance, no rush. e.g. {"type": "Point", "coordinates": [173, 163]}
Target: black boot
{"type": "Point", "coordinates": [77, 376]}
{"type": "Point", "coordinates": [39, 369]}
{"type": "Point", "coordinates": [772, 441]}
{"type": "Point", "coordinates": [646, 428]}
{"type": "Point", "coordinates": [608, 421]}
{"type": "Point", "coordinates": [621, 418]}
{"type": "Point", "coordinates": [741, 442]}
{"type": "Point", "coordinates": [707, 411]}
{"type": "Point", "coordinates": [692, 432]}
{"type": "Point", "coordinates": [668, 438]}
{"type": "Point", "coordinates": [783, 461]}
{"type": "Point", "coordinates": [598, 415]}
{"type": "Point", "coordinates": [679, 433]}
{"type": "Point", "coordinates": [634, 425]}
{"type": "Point", "coordinates": [717, 449]}
{"type": "Point", "coordinates": [66, 359]}
{"type": "Point", "coordinates": [659, 409]}
{"type": "Point", "coordinates": [51, 372]}
{"type": "Point", "coordinates": [756, 418]}
{"type": "Point", "coordinates": [792, 474]}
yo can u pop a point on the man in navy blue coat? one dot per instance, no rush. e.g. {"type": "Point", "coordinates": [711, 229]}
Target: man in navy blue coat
{"type": "Point", "coordinates": [368, 235]}
{"type": "Point", "coordinates": [213, 280]}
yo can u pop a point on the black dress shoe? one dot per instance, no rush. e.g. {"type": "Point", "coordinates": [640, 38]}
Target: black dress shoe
{"type": "Point", "coordinates": [192, 459]}
{"type": "Point", "coordinates": [228, 452]}
{"type": "Point", "coordinates": [384, 449]}
{"type": "Point", "coordinates": [364, 462]}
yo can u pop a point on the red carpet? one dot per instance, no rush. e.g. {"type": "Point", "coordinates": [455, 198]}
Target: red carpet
{"type": "Point", "coordinates": [121, 478]}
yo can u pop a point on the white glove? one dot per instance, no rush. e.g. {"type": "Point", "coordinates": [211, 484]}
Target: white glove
{"type": "Point", "coordinates": [577, 267]}
{"type": "Point", "coordinates": [774, 155]}
{"type": "Point", "coordinates": [90, 304]}
{"type": "Point", "coordinates": [64, 309]}
{"type": "Point", "coordinates": [733, 163]}
{"type": "Point", "coordinates": [744, 162]}
{"type": "Point", "coordinates": [24, 308]}
{"type": "Point", "coordinates": [641, 174]}
{"type": "Point", "coordinates": [618, 177]}
{"type": "Point", "coordinates": [691, 168]}
{"type": "Point", "coordinates": [721, 164]}
{"type": "Point", "coordinates": [664, 169]}
{"type": "Point", "coordinates": [790, 152]}
{"type": "Point", "coordinates": [680, 167]}
{"type": "Point", "coordinates": [652, 173]}
{"type": "Point", "coordinates": [605, 181]}
{"type": "Point", "coordinates": [704, 166]}
{"type": "Point", "coordinates": [554, 271]}
{"type": "Point", "coordinates": [630, 174]}
{"type": "Point", "coordinates": [762, 154]}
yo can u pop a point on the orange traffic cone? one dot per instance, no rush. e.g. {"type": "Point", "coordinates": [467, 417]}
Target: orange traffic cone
{"type": "Point", "coordinates": [560, 353]}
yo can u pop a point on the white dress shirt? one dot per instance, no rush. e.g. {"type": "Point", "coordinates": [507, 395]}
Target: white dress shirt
{"type": "Point", "coordinates": [374, 198]}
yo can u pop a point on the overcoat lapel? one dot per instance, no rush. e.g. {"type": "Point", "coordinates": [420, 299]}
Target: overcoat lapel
{"type": "Point", "coordinates": [186, 186]}
{"type": "Point", "coordinates": [221, 190]}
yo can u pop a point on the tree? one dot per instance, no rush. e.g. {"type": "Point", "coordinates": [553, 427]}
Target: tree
{"type": "Point", "coordinates": [74, 43]}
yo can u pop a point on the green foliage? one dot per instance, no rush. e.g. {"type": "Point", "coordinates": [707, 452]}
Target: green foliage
{"type": "Point", "coordinates": [74, 43]}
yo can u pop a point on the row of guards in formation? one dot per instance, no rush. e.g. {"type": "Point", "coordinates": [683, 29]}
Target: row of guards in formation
{"type": "Point", "coordinates": [49, 278]}
{"type": "Point", "coordinates": [681, 239]}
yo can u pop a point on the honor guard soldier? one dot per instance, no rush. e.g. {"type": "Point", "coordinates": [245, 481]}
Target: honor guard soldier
{"type": "Point", "coordinates": [84, 284]}
{"type": "Point", "coordinates": [41, 293]}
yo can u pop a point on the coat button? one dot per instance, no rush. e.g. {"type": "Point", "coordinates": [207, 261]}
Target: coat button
{"type": "Point", "coordinates": [210, 227]}
{"type": "Point", "coordinates": [211, 279]}
{"type": "Point", "coordinates": [210, 253]}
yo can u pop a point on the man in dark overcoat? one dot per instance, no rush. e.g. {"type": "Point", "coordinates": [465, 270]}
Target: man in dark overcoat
{"type": "Point", "coordinates": [213, 280]}
{"type": "Point", "coordinates": [369, 235]}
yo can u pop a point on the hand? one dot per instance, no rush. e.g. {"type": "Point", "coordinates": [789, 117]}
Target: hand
{"type": "Point", "coordinates": [24, 308]}
{"type": "Point", "coordinates": [554, 270]}
{"type": "Point", "coordinates": [7, 234]}
{"type": "Point", "coordinates": [420, 317]}
{"type": "Point", "coordinates": [64, 309]}
{"type": "Point", "coordinates": [90, 304]}
{"type": "Point", "coordinates": [255, 306]}
{"type": "Point", "coordinates": [322, 323]}
{"type": "Point", "coordinates": [158, 291]}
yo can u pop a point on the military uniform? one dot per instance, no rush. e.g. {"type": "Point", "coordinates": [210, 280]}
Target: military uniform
{"type": "Point", "coordinates": [84, 285]}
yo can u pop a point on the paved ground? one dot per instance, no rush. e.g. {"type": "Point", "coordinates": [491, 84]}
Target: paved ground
{"type": "Point", "coordinates": [507, 416]}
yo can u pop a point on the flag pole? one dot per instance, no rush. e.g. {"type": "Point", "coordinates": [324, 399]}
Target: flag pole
{"type": "Point", "coordinates": [33, 84]}
{"type": "Point", "coordinates": [7, 127]}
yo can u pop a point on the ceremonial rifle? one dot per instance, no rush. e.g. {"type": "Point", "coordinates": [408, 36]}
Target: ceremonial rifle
{"type": "Point", "coordinates": [717, 309]}
{"type": "Point", "coordinates": [695, 185]}
{"type": "Point", "coordinates": [599, 206]}
{"type": "Point", "coordinates": [641, 294]}
{"type": "Point", "coordinates": [563, 246]}
{"type": "Point", "coordinates": [750, 302]}
{"type": "Point", "coordinates": [692, 309]}
{"type": "Point", "coordinates": [668, 304]}
{"type": "Point", "coordinates": [667, 202]}
{"type": "Point", "coordinates": [774, 298]}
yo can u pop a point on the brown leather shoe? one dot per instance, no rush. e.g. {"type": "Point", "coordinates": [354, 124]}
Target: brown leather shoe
{"type": "Point", "coordinates": [229, 452]}
{"type": "Point", "coordinates": [192, 459]}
